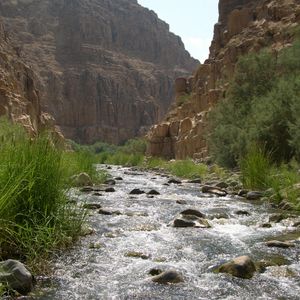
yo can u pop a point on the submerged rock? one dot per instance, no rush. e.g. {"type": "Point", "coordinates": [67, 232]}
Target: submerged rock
{"type": "Point", "coordinates": [91, 206]}
{"type": "Point", "coordinates": [254, 195]}
{"type": "Point", "coordinates": [183, 223]}
{"type": "Point", "coordinates": [153, 192]}
{"type": "Point", "coordinates": [276, 218]}
{"type": "Point", "coordinates": [86, 189]}
{"type": "Point", "coordinates": [182, 202]}
{"type": "Point", "coordinates": [108, 212]}
{"type": "Point", "coordinates": [119, 178]}
{"type": "Point", "coordinates": [136, 192]}
{"type": "Point", "coordinates": [16, 276]}
{"type": "Point", "coordinates": [174, 181]}
{"type": "Point", "coordinates": [193, 212]}
{"type": "Point", "coordinates": [168, 277]}
{"type": "Point", "coordinates": [155, 272]}
{"type": "Point", "coordinates": [198, 180]}
{"type": "Point", "coordinates": [242, 267]}
{"type": "Point", "coordinates": [135, 254]}
{"type": "Point", "coordinates": [213, 190]}
{"type": "Point", "coordinates": [110, 190]}
{"type": "Point", "coordinates": [242, 213]}
{"type": "Point", "coordinates": [110, 182]}
{"type": "Point", "coordinates": [280, 244]}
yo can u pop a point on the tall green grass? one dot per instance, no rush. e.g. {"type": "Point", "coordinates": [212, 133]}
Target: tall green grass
{"type": "Point", "coordinates": [35, 217]}
{"type": "Point", "coordinates": [187, 169]}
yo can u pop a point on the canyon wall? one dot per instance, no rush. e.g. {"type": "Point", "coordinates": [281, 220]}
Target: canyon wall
{"type": "Point", "coordinates": [19, 97]}
{"type": "Point", "coordinates": [244, 26]}
{"type": "Point", "coordinates": [105, 69]}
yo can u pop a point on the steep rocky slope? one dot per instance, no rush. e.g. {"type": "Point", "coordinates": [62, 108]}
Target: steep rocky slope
{"type": "Point", "coordinates": [106, 68]}
{"type": "Point", "coordinates": [244, 26]}
{"type": "Point", "coordinates": [19, 98]}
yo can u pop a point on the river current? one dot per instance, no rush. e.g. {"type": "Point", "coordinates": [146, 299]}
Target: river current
{"type": "Point", "coordinates": [103, 265]}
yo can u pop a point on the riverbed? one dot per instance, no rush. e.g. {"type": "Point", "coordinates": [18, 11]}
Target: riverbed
{"type": "Point", "coordinates": [114, 261]}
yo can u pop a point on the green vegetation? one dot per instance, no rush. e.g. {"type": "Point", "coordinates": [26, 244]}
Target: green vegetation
{"type": "Point", "coordinates": [261, 108]}
{"type": "Point", "coordinates": [35, 216]}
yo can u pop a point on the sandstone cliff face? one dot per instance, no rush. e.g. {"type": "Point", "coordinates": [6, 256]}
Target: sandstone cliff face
{"type": "Point", "coordinates": [19, 98]}
{"type": "Point", "coordinates": [243, 27]}
{"type": "Point", "coordinates": [106, 68]}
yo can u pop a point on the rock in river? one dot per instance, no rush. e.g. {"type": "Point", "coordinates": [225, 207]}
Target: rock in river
{"type": "Point", "coordinates": [193, 212]}
{"type": "Point", "coordinates": [16, 276]}
{"type": "Point", "coordinates": [168, 277]}
{"type": "Point", "coordinates": [242, 267]}
{"type": "Point", "coordinates": [175, 181]}
{"type": "Point", "coordinates": [279, 244]}
{"type": "Point", "coordinates": [136, 192]}
{"type": "Point", "coordinates": [214, 190]}
{"type": "Point", "coordinates": [254, 195]}
{"type": "Point", "coordinates": [153, 192]}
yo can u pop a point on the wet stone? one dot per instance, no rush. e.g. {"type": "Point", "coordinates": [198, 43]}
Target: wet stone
{"type": "Point", "coordinates": [183, 223]}
{"type": "Point", "coordinates": [16, 276]}
{"type": "Point", "coordinates": [155, 271]}
{"type": "Point", "coordinates": [193, 212]}
{"type": "Point", "coordinates": [280, 244]}
{"type": "Point", "coordinates": [110, 190]}
{"type": "Point", "coordinates": [254, 195]}
{"type": "Point", "coordinates": [276, 218]}
{"type": "Point", "coordinates": [174, 181]}
{"type": "Point", "coordinates": [198, 180]}
{"type": "Point", "coordinates": [91, 206]}
{"type": "Point", "coordinates": [168, 277]}
{"type": "Point", "coordinates": [87, 189]}
{"type": "Point", "coordinates": [266, 225]}
{"type": "Point", "coordinates": [242, 213]}
{"type": "Point", "coordinates": [119, 178]}
{"type": "Point", "coordinates": [213, 190]}
{"type": "Point", "coordinates": [153, 192]}
{"type": "Point", "coordinates": [135, 254]}
{"type": "Point", "coordinates": [182, 202]}
{"type": "Point", "coordinates": [242, 267]}
{"type": "Point", "coordinates": [243, 193]}
{"type": "Point", "coordinates": [110, 182]}
{"type": "Point", "coordinates": [108, 212]}
{"type": "Point", "coordinates": [97, 194]}
{"type": "Point", "coordinates": [136, 192]}
{"type": "Point", "coordinates": [222, 185]}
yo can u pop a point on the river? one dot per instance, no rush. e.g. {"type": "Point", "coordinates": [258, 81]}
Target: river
{"type": "Point", "coordinates": [105, 265]}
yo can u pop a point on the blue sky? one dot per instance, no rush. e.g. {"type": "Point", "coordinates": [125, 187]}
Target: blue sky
{"type": "Point", "coordinates": [192, 20]}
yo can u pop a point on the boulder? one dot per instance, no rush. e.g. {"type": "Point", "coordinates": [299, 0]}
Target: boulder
{"type": "Point", "coordinates": [16, 276]}
{"type": "Point", "coordinates": [168, 277]}
{"type": "Point", "coordinates": [82, 179]}
{"type": "Point", "coordinates": [183, 223]}
{"type": "Point", "coordinates": [213, 190]}
{"type": "Point", "coordinates": [242, 267]}
{"type": "Point", "coordinates": [110, 190]}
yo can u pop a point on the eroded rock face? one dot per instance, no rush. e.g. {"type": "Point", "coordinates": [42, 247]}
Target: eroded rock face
{"type": "Point", "coordinates": [106, 68]}
{"type": "Point", "coordinates": [244, 26]}
{"type": "Point", "coordinates": [19, 97]}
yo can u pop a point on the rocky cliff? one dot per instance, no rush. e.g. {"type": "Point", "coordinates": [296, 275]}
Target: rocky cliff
{"type": "Point", "coordinates": [244, 26]}
{"type": "Point", "coordinates": [19, 97]}
{"type": "Point", "coordinates": [105, 68]}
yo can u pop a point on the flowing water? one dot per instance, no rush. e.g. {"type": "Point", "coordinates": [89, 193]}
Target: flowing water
{"type": "Point", "coordinates": [107, 272]}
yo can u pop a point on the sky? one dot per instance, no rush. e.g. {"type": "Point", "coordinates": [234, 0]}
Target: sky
{"type": "Point", "coordinates": [192, 20]}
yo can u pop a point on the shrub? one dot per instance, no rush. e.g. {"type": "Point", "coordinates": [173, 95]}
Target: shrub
{"type": "Point", "coordinates": [261, 107]}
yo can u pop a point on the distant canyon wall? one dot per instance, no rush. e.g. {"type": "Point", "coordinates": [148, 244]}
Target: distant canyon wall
{"type": "Point", "coordinates": [105, 69]}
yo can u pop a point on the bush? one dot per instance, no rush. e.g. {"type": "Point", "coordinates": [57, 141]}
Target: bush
{"type": "Point", "coordinates": [261, 107]}
{"type": "Point", "coordinates": [187, 169]}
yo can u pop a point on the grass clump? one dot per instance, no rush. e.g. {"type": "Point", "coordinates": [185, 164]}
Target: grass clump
{"type": "Point", "coordinates": [35, 217]}
{"type": "Point", "coordinates": [186, 169]}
